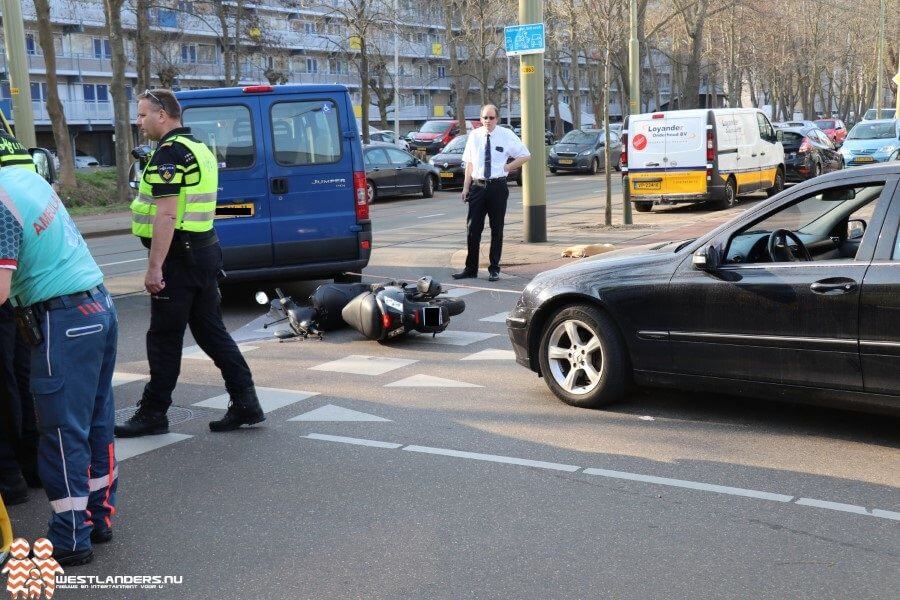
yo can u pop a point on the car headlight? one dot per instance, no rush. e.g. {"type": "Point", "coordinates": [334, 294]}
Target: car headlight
{"type": "Point", "coordinates": [552, 152]}
{"type": "Point", "coordinates": [431, 161]}
{"type": "Point", "coordinates": [585, 153]}
{"type": "Point", "coordinates": [887, 149]}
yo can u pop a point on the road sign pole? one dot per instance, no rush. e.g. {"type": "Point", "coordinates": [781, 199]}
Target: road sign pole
{"type": "Point", "coordinates": [879, 65]}
{"type": "Point", "coordinates": [531, 84]}
{"type": "Point", "coordinates": [19, 84]}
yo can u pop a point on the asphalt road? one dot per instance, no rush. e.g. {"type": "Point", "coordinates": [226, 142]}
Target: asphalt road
{"type": "Point", "coordinates": [438, 468]}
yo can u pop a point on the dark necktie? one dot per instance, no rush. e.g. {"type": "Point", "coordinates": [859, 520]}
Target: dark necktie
{"type": "Point", "coordinates": [487, 158]}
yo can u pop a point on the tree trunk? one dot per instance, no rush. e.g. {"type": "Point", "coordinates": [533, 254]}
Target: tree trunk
{"type": "Point", "coordinates": [365, 97]}
{"type": "Point", "coordinates": [227, 49]}
{"type": "Point", "coordinates": [142, 45]}
{"type": "Point", "coordinates": [576, 89]}
{"type": "Point", "coordinates": [460, 81]}
{"type": "Point", "coordinates": [120, 102]}
{"type": "Point", "coordinates": [54, 105]}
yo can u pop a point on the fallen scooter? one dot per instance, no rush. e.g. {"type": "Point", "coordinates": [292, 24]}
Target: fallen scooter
{"type": "Point", "coordinates": [380, 312]}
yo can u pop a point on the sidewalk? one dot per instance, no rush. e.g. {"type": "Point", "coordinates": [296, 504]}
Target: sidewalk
{"type": "Point", "coordinates": [93, 226]}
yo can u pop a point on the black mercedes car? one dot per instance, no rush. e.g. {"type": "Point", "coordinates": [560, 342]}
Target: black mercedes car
{"type": "Point", "coordinates": [451, 169]}
{"type": "Point", "coordinates": [797, 298]}
{"type": "Point", "coordinates": [808, 152]}
{"type": "Point", "coordinates": [393, 172]}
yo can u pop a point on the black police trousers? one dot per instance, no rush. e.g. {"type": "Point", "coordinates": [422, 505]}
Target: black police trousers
{"type": "Point", "coordinates": [191, 298]}
{"type": "Point", "coordinates": [486, 200]}
{"type": "Point", "coordinates": [18, 426]}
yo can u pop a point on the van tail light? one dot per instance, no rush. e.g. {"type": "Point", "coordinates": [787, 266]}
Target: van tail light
{"type": "Point", "coordinates": [258, 89]}
{"type": "Point", "coordinates": [710, 152]}
{"type": "Point", "coordinates": [361, 195]}
{"type": "Point", "coordinates": [805, 147]}
{"type": "Point", "coordinates": [623, 160]}
{"type": "Point", "coordinates": [659, 115]}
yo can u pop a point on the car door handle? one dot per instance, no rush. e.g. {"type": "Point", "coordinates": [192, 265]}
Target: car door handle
{"type": "Point", "coordinates": [753, 156]}
{"type": "Point", "coordinates": [652, 164]}
{"type": "Point", "coordinates": [762, 153]}
{"type": "Point", "coordinates": [279, 185]}
{"type": "Point", "coordinates": [834, 286]}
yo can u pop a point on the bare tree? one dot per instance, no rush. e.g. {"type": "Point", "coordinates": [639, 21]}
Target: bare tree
{"type": "Point", "coordinates": [54, 105]}
{"type": "Point", "coordinates": [461, 77]}
{"type": "Point", "coordinates": [121, 112]}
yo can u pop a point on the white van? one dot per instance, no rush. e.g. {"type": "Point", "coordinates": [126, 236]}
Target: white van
{"type": "Point", "coordinates": [700, 155]}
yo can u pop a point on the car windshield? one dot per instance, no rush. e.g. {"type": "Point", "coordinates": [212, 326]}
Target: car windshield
{"type": "Point", "coordinates": [791, 138]}
{"type": "Point", "coordinates": [886, 113]}
{"type": "Point", "coordinates": [456, 146]}
{"type": "Point", "coordinates": [806, 216]}
{"type": "Point", "coordinates": [825, 124]}
{"type": "Point", "coordinates": [576, 136]}
{"type": "Point", "coordinates": [872, 131]}
{"type": "Point", "coordinates": [434, 127]}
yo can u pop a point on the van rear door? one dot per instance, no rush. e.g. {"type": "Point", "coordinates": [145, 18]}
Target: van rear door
{"type": "Point", "coordinates": [646, 169]}
{"type": "Point", "coordinates": [675, 145]}
{"type": "Point", "coordinates": [310, 170]}
{"type": "Point", "coordinates": [231, 128]}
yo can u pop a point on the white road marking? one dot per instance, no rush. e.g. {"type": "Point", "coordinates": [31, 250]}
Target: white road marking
{"type": "Point", "coordinates": [130, 447]}
{"type": "Point", "coordinates": [431, 381]}
{"type": "Point", "coordinates": [122, 262]}
{"type": "Point", "coordinates": [652, 479]}
{"type": "Point", "coordinates": [492, 355]}
{"type": "Point", "coordinates": [429, 216]}
{"type": "Point", "coordinates": [453, 338]}
{"type": "Point", "coordinates": [354, 441]}
{"type": "Point", "coordinates": [330, 412]}
{"type": "Point", "coordinates": [693, 485]}
{"type": "Point", "coordinates": [498, 318]}
{"type": "Point", "coordinates": [195, 353]}
{"type": "Point", "coordinates": [508, 460]}
{"type": "Point", "coordinates": [359, 364]}
{"type": "Point", "coordinates": [269, 398]}
{"type": "Point", "coordinates": [123, 378]}
{"type": "Point", "coordinates": [457, 292]}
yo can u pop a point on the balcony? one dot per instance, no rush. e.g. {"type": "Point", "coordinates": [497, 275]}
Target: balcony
{"type": "Point", "coordinates": [80, 112]}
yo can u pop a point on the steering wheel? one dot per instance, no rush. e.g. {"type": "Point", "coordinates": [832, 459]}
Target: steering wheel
{"type": "Point", "coordinates": [780, 251]}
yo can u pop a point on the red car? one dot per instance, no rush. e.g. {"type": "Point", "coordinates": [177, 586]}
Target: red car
{"type": "Point", "coordinates": [834, 129]}
{"type": "Point", "coordinates": [434, 135]}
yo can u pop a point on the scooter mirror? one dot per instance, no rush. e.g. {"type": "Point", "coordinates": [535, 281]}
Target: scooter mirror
{"type": "Point", "coordinates": [262, 298]}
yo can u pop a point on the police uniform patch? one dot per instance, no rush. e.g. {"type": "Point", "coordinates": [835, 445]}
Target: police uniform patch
{"type": "Point", "coordinates": [166, 171]}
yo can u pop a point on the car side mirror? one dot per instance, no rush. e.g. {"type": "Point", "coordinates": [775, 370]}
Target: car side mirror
{"type": "Point", "coordinates": [134, 175]}
{"type": "Point", "coordinates": [779, 135]}
{"type": "Point", "coordinates": [856, 228]}
{"type": "Point", "coordinates": [706, 259]}
{"type": "Point", "coordinates": [44, 164]}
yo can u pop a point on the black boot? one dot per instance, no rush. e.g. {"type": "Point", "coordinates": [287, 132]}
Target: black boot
{"type": "Point", "coordinates": [243, 409]}
{"type": "Point", "coordinates": [13, 488]}
{"type": "Point", "coordinates": [146, 421]}
{"type": "Point", "coordinates": [73, 558]}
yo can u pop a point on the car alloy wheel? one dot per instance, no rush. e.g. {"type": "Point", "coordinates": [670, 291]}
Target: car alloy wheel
{"type": "Point", "coordinates": [370, 191]}
{"type": "Point", "coordinates": [576, 358]}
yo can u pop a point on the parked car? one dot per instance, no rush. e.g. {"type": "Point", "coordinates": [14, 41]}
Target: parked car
{"type": "Point", "coordinates": [452, 170]}
{"type": "Point", "coordinates": [387, 137]}
{"type": "Point", "coordinates": [784, 124]}
{"type": "Point", "coordinates": [393, 172]}
{"type": "Point", "coordinates": [434, 135]}
{"type": "Point", "coordinates": [872, 142]}
{"type": "Point", "coordinates": [886, 113]}
{"type": "Point", "coordinates": [833, 128]}
{"type": "Point", "coordinates": [808, 152]}
{"type": "Point", "coordinates": [582, 150]}
{"type": "Point", "coordinates": [549, 138]}
{"type": "Point", "coordinates": [796, 298]}
{"type": "Point", "coordinates": [83, 161]}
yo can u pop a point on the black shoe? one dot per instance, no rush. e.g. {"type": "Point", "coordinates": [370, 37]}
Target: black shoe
{"type": "Point", "coordinates": [13, 489]}
{"type": "Point", "coordinates": [494, 277]}
{"type": "Point", "coordinates": [101, 534]}
{"type": "Point", "coordinates": [143, 422]}
{"type": "Point", "coordinates": [73, 558]}
{"type": "Point", "coordinates": [243, 409]}
{"type": "Point", "coordinates": [465, 275]}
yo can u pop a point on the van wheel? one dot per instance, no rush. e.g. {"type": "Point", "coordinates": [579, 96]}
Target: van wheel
{"type": "Point", "coordinates": [370, 191]}
{"type": "Point", "coordinates": [730, 198]}
{"type": "Point", "coordinates": [428, 187]}
{"type": "Point", "coordinates": [552, 170]}
{"type": "Point", "coordinates": [643, 206]}
{"type": "Point", "coordinates": [595, 166]}
{"type": "Point", "coordinates": [778, 186]}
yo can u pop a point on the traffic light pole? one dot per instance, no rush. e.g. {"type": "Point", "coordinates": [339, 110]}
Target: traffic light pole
{"type": "Point", "coordinates": [531, 86]}
{"type": "Point", "coordinates": [19, 84]}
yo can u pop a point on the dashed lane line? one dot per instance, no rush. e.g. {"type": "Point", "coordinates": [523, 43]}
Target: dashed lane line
{"type": "Point", "coordinates": [637, 477]}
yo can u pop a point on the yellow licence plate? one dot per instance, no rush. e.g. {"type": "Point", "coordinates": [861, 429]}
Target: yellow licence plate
{"type": "Point", "coordinates": [234, 211]}
{"type": "Point", "coordinates": [446, 175]}
{"type": "Point", "coordinates": [648, 185]}
{"type": "Point", "coordinates": [865, 159]}
{"type": "Point", "coordinates": [566, 161]}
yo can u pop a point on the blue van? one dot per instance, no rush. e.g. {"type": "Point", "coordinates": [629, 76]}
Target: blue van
{"type": "Point", "coordinates": [292, 198]}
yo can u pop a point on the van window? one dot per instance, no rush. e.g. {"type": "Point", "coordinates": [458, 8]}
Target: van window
{"type": "Point", "coordinates": [765, 128]}
{"type": "Point", "coordinates": [306, 133]}
{"type": "Point", "coordinates": [227, 131]}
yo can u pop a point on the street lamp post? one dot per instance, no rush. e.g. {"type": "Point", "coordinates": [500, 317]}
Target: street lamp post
{"type": "Point", "coordinates": [19, 83]}
{"type": "Point", "coordinates": [531, 92]}
{"type": "Point", "coordinates": [396, 71]}
{"type": "Point", "coordinates": [634, 87]}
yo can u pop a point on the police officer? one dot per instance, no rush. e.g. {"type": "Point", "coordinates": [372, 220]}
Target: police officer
{"type": "Point", "coordinates": [484, 188]}
{"type": "Point", "coordinates": [173, 217]}
{"type": "Point", "coordinates": [67, 316]}
{"type": "Point", "coordinates": [18, 442]}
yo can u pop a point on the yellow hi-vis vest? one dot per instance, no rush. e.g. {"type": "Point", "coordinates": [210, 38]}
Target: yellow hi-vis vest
{"type": "Point", "coordinates": [14, 154]}
{"type": "Point", "coordinates": [196, 198]}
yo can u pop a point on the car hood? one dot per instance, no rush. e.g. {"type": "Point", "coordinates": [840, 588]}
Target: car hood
{"type": "Point", "coordinates": [426, 137]}
{"type": "Point", "coordinates": [571, 147]}
{"type": "Point", "coordinates": [858, 145]}
{"type": "Point", "coordinates": [452, 160]}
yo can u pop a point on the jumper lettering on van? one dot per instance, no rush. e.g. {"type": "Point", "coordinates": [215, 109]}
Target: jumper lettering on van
{"type": "Point", "coordinates": [338, 180]}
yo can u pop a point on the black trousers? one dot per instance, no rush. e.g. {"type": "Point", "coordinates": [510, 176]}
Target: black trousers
{"type": "Point", "coordinates": [190, 298]}
{"type": "Point", "coordinates": [486, 200]}
{"type": "Point", "coordinates": [18, 425]}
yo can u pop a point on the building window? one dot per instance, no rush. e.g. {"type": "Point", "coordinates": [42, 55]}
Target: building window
{"type": "Point", "coordinates": [420, 99]}
{"type": "Point", "coordinates": [101, 48]}
{"type": "Point", "coordinates": [188, 53]}
{"type": "Point", "coordinates": [186, 6]}
{"type": "Point", "coordinates": [30, 45]}
{"type": "Point", "coordinates": [338, 67]}
{"type": "Point", "coordinates": [309, 28]}
{"type": "Point", "coordinates": [38, 91]}
{"type": "Point", "coordinates": [312, 65]}
{"type": "Point", "coordinates": [441, 71]}
{"type": "Point", "coordinates": [95, 92]}
{"type": "Point", "coordinates": [206, 54]}
{"type": "Point", "coordinates": [166, 18]}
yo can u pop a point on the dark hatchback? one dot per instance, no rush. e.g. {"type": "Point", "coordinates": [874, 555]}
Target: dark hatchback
{"type": "Point", "coordinates": [393, 172]}
{"type": "Point", "coordinates": [808, 152]}
{"type": "Point", "coordinates": [798, 298]}
{"type": "Point", "coordinates": [451, 169]}
{"type": "Point", "coordinates": [582, 150]}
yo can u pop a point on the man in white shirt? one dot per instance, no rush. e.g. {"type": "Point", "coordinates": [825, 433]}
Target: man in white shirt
{"type": "Point", "coordinates": [484, 189]}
